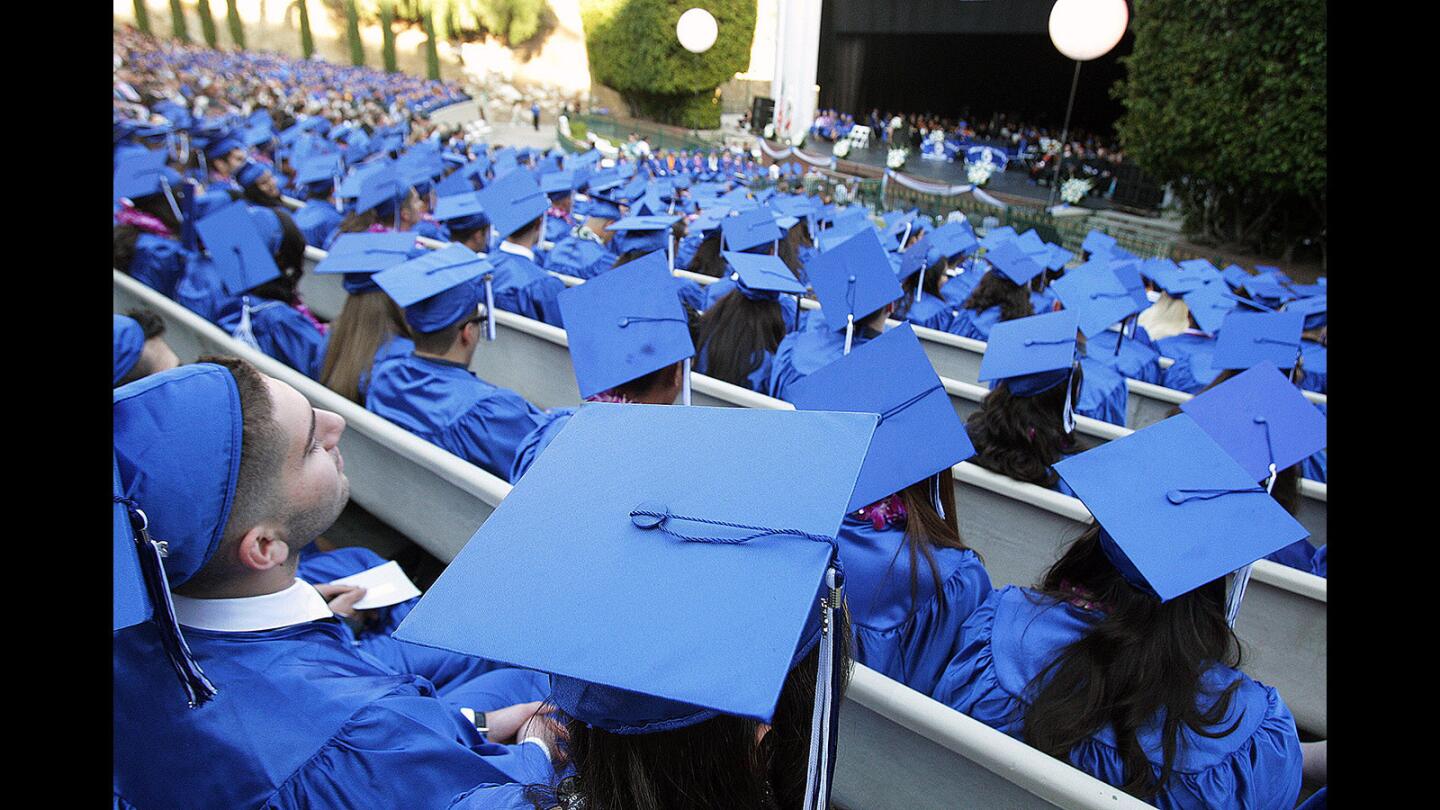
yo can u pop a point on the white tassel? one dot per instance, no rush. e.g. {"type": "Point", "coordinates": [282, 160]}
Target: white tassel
{"type": "Point", "coordinates": [920, 285]}
{"type": "Point", "coordinates": [243, 332]}
{"type": "Point", "coordinates": [849, 331]}
{"type": "Point", "coordinates": [685, 384]}
{"type": "Point", "coordinates": [489, 307]}
{"type": "Point", "coordinates": [818, 766]}
{"type": "Point", "coordinates": [935, 496]}
{"type": "Point", "coordinates": [1235, 593]}
{"type": "Point", "coordinates": [1069, 402]}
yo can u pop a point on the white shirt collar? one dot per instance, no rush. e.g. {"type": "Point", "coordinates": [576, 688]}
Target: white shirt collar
{"type": "Point", "coordinates": [519, 250]}
{"type": "Point", "coordinates": [297, 604]}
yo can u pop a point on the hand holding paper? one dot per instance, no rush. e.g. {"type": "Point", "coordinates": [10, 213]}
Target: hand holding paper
{"type": "Point", "coordinates": [384, 585]}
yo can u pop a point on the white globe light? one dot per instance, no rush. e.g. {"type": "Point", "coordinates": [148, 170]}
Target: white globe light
{"type": "Point", "coordinates": [1087, 29]}
{"type": "Point", "coordinates": [697, 30]}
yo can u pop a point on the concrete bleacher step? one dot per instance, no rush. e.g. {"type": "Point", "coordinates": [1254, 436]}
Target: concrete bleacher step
{"type": "Point", "coordinates": [898, 748]}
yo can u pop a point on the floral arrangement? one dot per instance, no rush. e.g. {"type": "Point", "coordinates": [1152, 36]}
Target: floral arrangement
{"type": "Point", "coordinates": [842, 148]}
{"type": "Point", "coordinates": [1074, 189]}
{"type": "Point", "coordinates": [770, 131]}
{"type": "Point", "coordinates": [896, 158]}
{"type": "Point", "coordinates": [978, 173]}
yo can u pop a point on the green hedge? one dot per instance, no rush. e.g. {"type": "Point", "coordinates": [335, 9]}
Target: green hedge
{"type": "Point", "coordinates": [633, 48]}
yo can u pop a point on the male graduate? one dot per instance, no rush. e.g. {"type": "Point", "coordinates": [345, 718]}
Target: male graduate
{"type": "Point", "coordinates": [587, 251]}
{"type": "Point", "coordinates": [140, 347]}
{"type": "Point", "coordinates": [225, 474]}
{"type": "Point", "coordinates": [432, 392]}
{"type": "Point", "coordinates": [516, 207]}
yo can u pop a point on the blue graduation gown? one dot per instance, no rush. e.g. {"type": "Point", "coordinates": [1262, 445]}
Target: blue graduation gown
{"type": "Point", "coordinates": [1137, 360]}
{"type": "Point", "coordinates": [1183, 344]}
{"type": "Point", "coordinates": [686, 249]}
{"type": "Point", "coordinates": [302, 718]}
{"type": "Point", "coordinates": [317, 219]}
{"type": "Point", "coordinates": [581, 258]}
{"type": "Point", "coordinates": [521, 287]}
{"type": "Point", "coordinates": [447, 405]}
{"type": "Point", "coordinates": [430, 229]}
{"type": "Point", "coordinates": [935, 313]}
{"type": "Point", "coordinates": [904, 641]}
{"type": "Point", "coordinates": [1192, 372]}
{"type": "Point", "coordinates": [1314, 367]}
{"type": "Point", "coordinates": [557, 228]}
{"type": "Point", "coordinates": [1314, 466]}
{"type": "Point", "coordinates": [396, 346]}
{"type": "Point", "coordinates": [537, 440]}
{"type": "Point", "coordinates": [280, 331]}
{"type": "Point", "coordinates": [1043, 301]}
{"type": "Point", "coordinates": [691, 293]}
{"type": "Point", "coordinates": [158, 263]}
{"type": "Point", "coordinates": [493, 797]}
{"type": "Point", "coordinates": [1299, 555]}
{"type": "Point", "coordinates": [958, 288]}
{"type": "Point", "coordinates": [1103, 393]}
{"type": "Point", "coordinates": [976, 325]}
{"type": "Point", "coordinates": [807, 351]}
{"type": "Point", "coordinates": [1010, 638]}
{"type": "Point", "coordinates": [201, 291]}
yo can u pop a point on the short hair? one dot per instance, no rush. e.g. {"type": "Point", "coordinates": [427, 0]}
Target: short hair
{"type": "Point", "coordinates": [441, 341]}
{"type": "Point", "coordinates": [150, 323]}
{"type": "Point", "coordinates": [528, 227]}
{"type": "Point", "coordinates": [262, 456]}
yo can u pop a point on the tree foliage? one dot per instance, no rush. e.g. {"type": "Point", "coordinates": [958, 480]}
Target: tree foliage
{"type": "Point", "coordinates": [387, 36]}
{"type": "Point", "coordinates": [1225, 100]}
{"type": "Point", "coordinates": [352, 33]}
{"type": "Point", "coordinates": [177, 21]}
{"type": "Point", "coordinates": [307, 38]}
{"type": "Point", "coordinates": [232, 20]}
{"type": "Point", "coordinates": [432, 53]}
{"type": "Point", "coordinates": [142, 16]}
{"type": "Point", "coordinates": [514, 21]}
{"type": "Point", "coordinates": [633, 48]}
{"type": "Point", "coordinates": [207, 24]}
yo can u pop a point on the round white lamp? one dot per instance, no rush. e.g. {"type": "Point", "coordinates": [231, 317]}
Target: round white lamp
{"type": "Point", "coordinates": [1083, 30]}
{"type": "Point", "coordinates": [696, 30]}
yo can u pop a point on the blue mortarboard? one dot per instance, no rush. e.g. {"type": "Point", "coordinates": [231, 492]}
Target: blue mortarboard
{"type": "Point", "coordinates": [142, 175]}
{"type": "Point", "coordinates": [380, 190]}
{"type": "Point", "coordinates": [256, 135]}
{"type": "Point", "coordinates": [1056, 257]}
{"type": "Point", "coordinates": [251, 172]}
{"type": "Point", "coordinates": [852, 279]}
{"type": "Point", "coordinates": [129, 342]}
{"type": "Point", "coordinates": [919, 433]}
{"type": "Point", "coordinates": [642, 540]}
{"type": "Point", "coordinates": [456, 182]}
{"type": "Point", "coordinates": [236, 245]}
{"type": "Point", "coordinates": [1209, 304]}
{"type": "Point", "coordinates": [1128, 272]}
{"type": "Point", "coordinates": [652, 203]}
{"type": "Point", "coordinates": [1031, 243]}
{"type": "Point", "coordinates": [1250, 338]}
{"type": "Point", "coordinates": [360, 255]}
{"type": "Point", "coordinates": [750, 229]}
{"type": "Point", "coordinates": [1156, 269]}
{"type": "Point", "coordinates": [557, 182]}
{"type": "Point", "coordinates": [1012, 261]}
{"type": "Point", "coordinates": [1235, 275]}
{"type": "Point", "coordinates": [603, 181]}
{"type": "Point", "coordinates": [1312, 308]}
{"type": "Point", "coordinates": [919, 256]}
{"type": "Point", "coordinates": [1032, 355]}
{"type": "Point", "coordinates": [1172, 279]}
{"type": "Point", "coordinates": [632, 190]}
{"type": "Point", "coordinates": [223, 145]}
{"type": "Point", "coordinates": [1175, 510]}
{"type": "Point", "coordinates": [624, 324]}
{"type": "Point", "coordinates": [1260, 418]}
{"type": "Point", "coordinates": [598, 207]}
{"type": "Point", "coordinates": [762, 275]}
{"type": "Point", "coordinates": [318, 170]}
{"type": "Point", "coordinates": [462, 211]}
{"type": "Point", "coordinates": [995, 237]}
{"type": "Point", "coordinates": [840, 232]}
{"type": "Point", "coordinates": [646, 233]}
{"type": "Point", "coordinates": [1267, 288]}
{"type": "Point", "coordinates": [1096, 295]}
{"type": "Point", "coordinates": [513, 201]}
{"type": "Point", "coordinates": [1097, 242]}
{"type": "Point", "coordinates": [954, 239]}
{"type": "Point", "coordinates": [438, 288]}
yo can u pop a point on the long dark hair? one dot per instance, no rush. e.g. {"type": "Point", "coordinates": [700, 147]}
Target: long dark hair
{"type": "Point", "coordinates": [707, 259]}
{"type": "Point", "coordinates": [925, 530]}
{"type": "Point", "coordinates": [290, 258]}
{"type": "Point", "coordinates": [367, 322]}
{"type": "Point", "coordinates": [1022, 436]}
{"type": "Point", "coordinates": [735, 333]}
{"type": "Point", "coordinates": [995, 289]}
{"type": "Point", "coordinates": [123, 237]}
{"type": "Point", "coordinates": [935, 278]}
{"type": "Point", "coordinates": [713, 765]}
{"type": "Point", "coordinates": [1145, 658]}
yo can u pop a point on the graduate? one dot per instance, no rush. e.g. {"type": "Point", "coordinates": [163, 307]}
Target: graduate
{"type": "Point", "coordinates": [1121, 660]}
{"type": "Point", "coordinates": [1103, 294]}
{"type": "Point", "coordinates": [516, 207]}
{"type": "Point", "coordinates": [431, 392]}
{"type": "Point", "coordinates": [140, 347]}
{"type": "Point", "coordinates": [1000, 295]}
{"type": "Point", "coordinates": [1263, 421]}
{"type": "Point", "coordinates": [629, 342]}
{"type": "Point", "coordinates": [857, 292]}
{"type": "Point", "coordinates": [912, 582]}
{"type": "Point", "coordinates": [586, 251]}
{"type": "Point", "coordinates": [559, 187]}
{"type": "Point", "coordinates": [257, 181]}
{"type": "Point", "coordinates": [318, 218]}
{"type": "Point", "coordinates": [666, 702]}
{"type": "Point", "coordinates": [1025, 424]}
{"type": "Point", "coordinates": [739, 333]}
{"type": "Point", "coordinates": [924, 268]}
{"type": "Point", "coordinates": [275, 705]}
{"type": "Point", "coordinates": [383, 203]}
{"type": "Point", "coordinates": [371, 327]}
{"type": "Point", "coordinates": [146, 241]}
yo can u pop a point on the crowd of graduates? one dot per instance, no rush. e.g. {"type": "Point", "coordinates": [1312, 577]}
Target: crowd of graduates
{"type": "Point", "coordinates": [598, 643]}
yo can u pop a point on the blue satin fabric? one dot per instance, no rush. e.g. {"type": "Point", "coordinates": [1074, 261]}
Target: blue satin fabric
{"type": "Point", "coordinates": [396, 346]}
{"type": "Point", "coordinates": [447, 405]}
{"type": "Point", "coordinates": [958, 288]}
{"type": "Point", "coordinates": [1103, 393]}
{"type": "Point", "coordinates": [158, 263]}
{"type": "Point", "coordinates": [1137, 360]}
{"type": "Point", "coordinates": [581, 258]}
{"type": "Point", "coordinates": [493, 797]}
{"type": "Point", "coordinates": [521, 287]}
{"type": "Point", "coordinates": [1011, 637]}
{"type": "Point", "coordinates": [972, 324]}
{"type": "Point", "coordinates": [557, 228]}
{"type": "Point", "coordinates": [1299, 555]}
{"type": "Point", "coordinates": [910, 642]}
{"type": "Point", "coordinates": [201, 291]}
{"type": "Point", "coordinates": [691, 293]}
{"type": "Point", "coordinates": [1178, 346]}
{"type": "Point", "coordinates": [1193, 371]}
{"type": "Point", "coordinates": [281, 332]}
{"type": "Point", "coordinates": [317, 220]}
{"type": "Point", "coordinates": [686, 248]}
{"type": "Point", "coordinates": [1314, 467]}
{"type": "Point", "coordinates": [1043, 301]}
{"type": "Point", "coordinates": [929, 311]}
{"type": "Point", "coordinates": [537, 440]}
{"type": "Point", "coordinates": [430, 229]}
{"type": "Point", "coordinates": [805, 352]}
{"type": "Point", "coordinates": [303, 718]}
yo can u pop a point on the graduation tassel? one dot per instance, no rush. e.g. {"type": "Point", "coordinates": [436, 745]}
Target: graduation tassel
{"type": "Point", "coordinates": [1235, 593]}
{"type": "Point", "coordinates": [685, 383]}
{"type": "Point", "coordinates": [489, 307]}
{"type": "Point", "coordinates": [920, 285]}
{"type": "Point", "coordinates": [1120, 337]}
{"type": "Point", "coordinates": [906, 236]}
{"type": "Point", "coordinates": [243, 332]}
{"type": "Point", "coordinates": [1069, 416]}
{"type": "Point", "coordinates": [339, 208]}
{"type": "Point", "coordinates": [820, 765]}
{"type": "Point", "coordinates": [170, 198]}
{"type": "Point", "coordinates": [935, 495]}
{"type": "Point", "coordinates": [849, 331]}
{"type": "Point", "coordinates": [795, 327]}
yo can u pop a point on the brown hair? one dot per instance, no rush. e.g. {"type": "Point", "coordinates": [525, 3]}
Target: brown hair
{"type": "Point", "coordinates": [367, 322]}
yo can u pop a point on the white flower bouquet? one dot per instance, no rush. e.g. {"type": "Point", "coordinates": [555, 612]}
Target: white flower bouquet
{"type": "Point", "coordinates": [978, 173]}
{"type": "Point", "coordinates": [842, 148]}
{"type": "Point", "coordinates": [1074, 190]}
{"type": "Point", "coordinates": [896, 158]}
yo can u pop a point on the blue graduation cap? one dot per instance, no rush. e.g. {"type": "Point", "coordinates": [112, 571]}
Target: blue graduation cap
{"type": "Point", "coordinates": [632, 190]}
{"type": "Point", "coordinates": [996, 237]}
{"type": "Point", "coordinates": [1250, 338]}
{"type": "Point", "coordinates": [129, 341]}
{"type": "Point", "coordinates": [437, 289]}
{"type": "Point", "coordinates": [457, 182]}
{"type": "Point", "coordinates": [256, 135]}
{"type": "Point", "coordinates": [317, 170]}
{"type": "Point", "coordinates": [919, 433]}
{"type": "Point", "coordinates": [852, 280]}
{"type": "Point", "coordinates": [731, 522]}
{"type": "Point", "coordinates": [624, 324]}
{"type": "Point", "coordinates": [750, 229]}
{"type": "Point", "coordinates": [381, 190]}
{"type": "Point", "coordinates": [1209, 304]}
{"type": "Point", "coordinates": [1097, 242]}
{"type": "Point", "coordinates": [646, 233]}
{"type": "Point", "coordinates": [917, 257]}
{"type": "Point", "coordinates": [1012, 261]}
{"type": "Point", "coordinates": [351, 185]}
{"type": "Point", "coordinates": [1031, 243]}
{"type": "Point", "coordinates": [560, 182]}
{"type": "Point", "coordinates": [1260, 419]}
{"type": "Point", "coordinates": [1235, 275]}
{"type": "Point", "coordinates": [1128, 272]}
{"type": "Point", "coordinates": [360, 255]}
{"type": "Point", "coordinates": [1175, 510]}
{"type": "Point", "coordinates": [513, 201]}
{"type": "Point", "coordinates": [1056, 257]}
{"type": "Point", "coordinates": [251, 172]}
{"type": "Point", "coordinates": [840, 232]}
{"type": "Point", "coordinates": [144, 174]}
{"type": "Point", "coordinates": [1312, 308]}
{"type": "Point", "coordinates": [1031, 354]}
{"type": "Point", "coordinates": [1097, 296]}
{"type": "Point", "coordinates": [1157, 268]}
{"type": "Point", "coordinates": [462, 211]}
{"type": "Point", "coordinates": [236, 246]}
{"type": "Point", "coordinates": [762, 276]}
{"type": "Point", "coordinates": [954, 239]}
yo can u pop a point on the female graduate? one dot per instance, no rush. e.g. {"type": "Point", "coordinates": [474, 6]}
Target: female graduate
{"type": "Point", "coordinates": [1122, 659]}
{"type": "Point", "coordinates": [146, 236]}
{"type": "Point", "coordinates": [258, 183]}
{"type": "Point", "coordinates": [738, 334]}
{"type": "Point", "coordinates": [371, 327]}
{"type": "Point", "coordinates": [912, 580]}
{"type": "Point", "coordinates": [929, 309]}
{"type": "Point", "coordinates": [995, 299]}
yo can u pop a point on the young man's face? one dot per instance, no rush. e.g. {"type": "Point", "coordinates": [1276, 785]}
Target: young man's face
{"type": "Point", "coordinates": [314, 486]}
{"type": "Point", "coordinates": [234, 159]}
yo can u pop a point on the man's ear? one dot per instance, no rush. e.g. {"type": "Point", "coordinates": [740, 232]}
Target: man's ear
{"type": "Point", "coordinates": [470, 334]}
{"type": "Point", "coordinates": [263, 548]}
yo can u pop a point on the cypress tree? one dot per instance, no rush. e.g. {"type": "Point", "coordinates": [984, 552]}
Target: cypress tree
{"type": "Point", "coordinates": [387, 48]}
{"type": "Point", "coordinates": [207, 24]}
{"type": "Point", "coordinates": [142, 17]}
{"type": "Point", "coordinates": [232, 19]}
{"type": "Point", "coordinates": [352, 33]}
{"type": "Point", "coordinates": [177, 21]}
